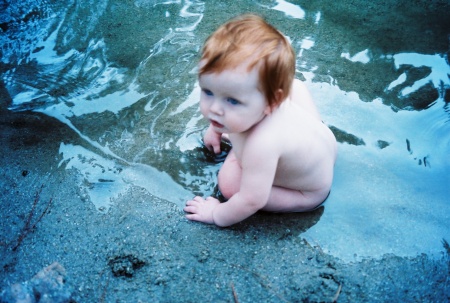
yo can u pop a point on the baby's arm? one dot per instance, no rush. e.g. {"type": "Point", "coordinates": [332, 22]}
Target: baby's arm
{"type": "Point", "coordinates": [211, 211]}
{"type": "Point", "coordinates": [212, 139]}
{"type": "Point", "coordinates": [258, 172]}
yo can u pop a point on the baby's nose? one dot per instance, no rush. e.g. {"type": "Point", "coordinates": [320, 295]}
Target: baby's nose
{"type": "Point", "coordinates": [216, 108]}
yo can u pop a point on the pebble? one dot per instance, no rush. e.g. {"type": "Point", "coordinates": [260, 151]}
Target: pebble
{"type": "Point", "coordinates": [47, 286]}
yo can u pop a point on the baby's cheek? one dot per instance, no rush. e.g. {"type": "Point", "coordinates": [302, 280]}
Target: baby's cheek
{"type": "Point", "coordinates": [203, 108]}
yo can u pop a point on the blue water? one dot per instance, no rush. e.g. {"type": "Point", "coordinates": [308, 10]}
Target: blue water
{"type": "Point", "coordinates": [123, 77]}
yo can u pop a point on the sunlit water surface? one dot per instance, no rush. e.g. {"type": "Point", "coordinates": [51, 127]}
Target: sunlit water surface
{"type": "Point", "coordinates": [123, 77]}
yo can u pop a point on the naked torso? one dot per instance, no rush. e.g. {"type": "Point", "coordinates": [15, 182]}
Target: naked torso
{"type": "Point", "coordinates": [305, 146]}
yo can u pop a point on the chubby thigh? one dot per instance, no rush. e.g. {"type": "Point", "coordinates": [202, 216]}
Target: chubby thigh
{"type": "Point", "coordinates": [229, 177]}
{"type": "Point", "coordinates": [281, 199]}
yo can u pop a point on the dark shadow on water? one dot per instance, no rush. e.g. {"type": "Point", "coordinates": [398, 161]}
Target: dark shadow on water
{"type": "Point", "coordinates": [278, 225]}
{"type": "Point", "coordinates": [343, 136]}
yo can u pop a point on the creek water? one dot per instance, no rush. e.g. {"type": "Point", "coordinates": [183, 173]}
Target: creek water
{"type": "Point", "coordinates": [122, 75]}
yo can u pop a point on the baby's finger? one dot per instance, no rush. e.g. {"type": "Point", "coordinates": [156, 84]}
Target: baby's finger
{"type": "Point", "coordinates": [192, 217]}
{"type": "Point", "coordinates": [190, 202]}
{"type": "Point", "coordinates": [190, 209]}
{"type": "Point", "coordinates": [194, 200]}
{"type": "Point", "coordinates": [216, 149]}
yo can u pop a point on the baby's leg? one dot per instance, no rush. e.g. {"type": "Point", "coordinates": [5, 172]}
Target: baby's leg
{"type": "Point", "coordinates": [281, 199]}
{"type": "Point", "coordinates": [288, 200]}
{"type": "Point", "coordinates": [229, 177]}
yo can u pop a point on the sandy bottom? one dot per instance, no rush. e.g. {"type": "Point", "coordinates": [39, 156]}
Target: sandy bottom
{"type": "Point", "coordinates": [144, 250]}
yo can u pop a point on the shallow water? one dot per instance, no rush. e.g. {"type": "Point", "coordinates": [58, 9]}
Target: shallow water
{"type": "Point", "coordinates": [122, 75]}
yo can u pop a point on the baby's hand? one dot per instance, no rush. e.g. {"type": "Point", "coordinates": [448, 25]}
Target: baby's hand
{"type": "Point", "coordinates": [201, 210]}
{"type": "Point", "coordinates": [212, 140]}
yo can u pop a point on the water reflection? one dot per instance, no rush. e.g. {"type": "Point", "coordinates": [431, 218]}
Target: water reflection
{"type": "Point", "coordinates": [438, 74]}
{"type": "Point", "coordinates": [122, 75]}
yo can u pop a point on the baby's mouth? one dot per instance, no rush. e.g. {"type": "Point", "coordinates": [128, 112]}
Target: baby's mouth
{"type": "Point", "coordinates": [216, 124]}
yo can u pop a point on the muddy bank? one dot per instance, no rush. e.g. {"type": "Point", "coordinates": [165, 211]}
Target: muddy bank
{"type": "Point", "coordinates": [144, 250]}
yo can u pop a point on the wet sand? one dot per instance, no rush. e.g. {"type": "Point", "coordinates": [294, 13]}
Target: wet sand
{"type": "Point", "coordinates": [144, 250]}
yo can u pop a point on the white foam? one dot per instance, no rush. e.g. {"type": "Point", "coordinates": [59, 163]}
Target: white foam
{"type": "Point", "coordinates": [362, 56]}
{"type": "Point", "coordinates": [291, 10]}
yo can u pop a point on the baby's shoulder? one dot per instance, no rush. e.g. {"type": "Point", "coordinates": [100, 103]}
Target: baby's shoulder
{"type": "Point", "coordinates": [277, 129]}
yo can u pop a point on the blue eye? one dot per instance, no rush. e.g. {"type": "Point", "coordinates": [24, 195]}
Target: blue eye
{"type": "Point", "coordinates": [208, 92]}
{"type": "Point", "coordinates": [233, 101]}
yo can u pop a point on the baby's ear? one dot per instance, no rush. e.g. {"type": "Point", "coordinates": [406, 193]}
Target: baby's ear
{"type": "Point", "coordinates": [279, 96]}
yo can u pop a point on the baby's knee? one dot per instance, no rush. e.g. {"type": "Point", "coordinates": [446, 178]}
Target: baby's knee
{"type": "Point", "coordinates": [227, 186]}
{"type": "Point", "coordinates": [229, 177]}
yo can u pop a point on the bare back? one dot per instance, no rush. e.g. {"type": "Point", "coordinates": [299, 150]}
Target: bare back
{"type": "Point", "coordinates": [294, 134]}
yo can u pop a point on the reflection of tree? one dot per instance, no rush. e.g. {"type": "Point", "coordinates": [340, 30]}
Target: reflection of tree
{"type": "Point", "coordinates": [385, 30]}
{"type": "Point", "coordinates": [425, 79]}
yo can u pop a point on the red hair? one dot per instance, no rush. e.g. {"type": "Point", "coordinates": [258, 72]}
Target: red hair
{"type": "Point", "coordinates": [249, 37]}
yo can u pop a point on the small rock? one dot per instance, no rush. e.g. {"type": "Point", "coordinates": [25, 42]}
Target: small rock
{"type": "Point", "coordinates": [47, 286]}
{"type": "Point", "coordinates": [125, 265]}
{"type": "Point", "coordinates": [18, 293]}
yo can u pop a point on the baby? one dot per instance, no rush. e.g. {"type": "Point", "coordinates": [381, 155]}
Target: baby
{"type": "Point", "coordinates": [282, 155]}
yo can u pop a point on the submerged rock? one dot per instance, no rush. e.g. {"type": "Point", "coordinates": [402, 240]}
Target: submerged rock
{"type": "Point", "coordinates": [47, 286]}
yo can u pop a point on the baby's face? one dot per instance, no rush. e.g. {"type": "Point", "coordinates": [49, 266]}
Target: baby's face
{"type": "Point", "coordinates": [232, 99]}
